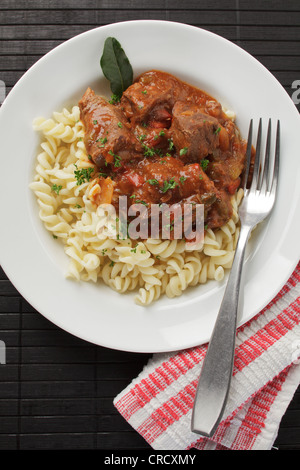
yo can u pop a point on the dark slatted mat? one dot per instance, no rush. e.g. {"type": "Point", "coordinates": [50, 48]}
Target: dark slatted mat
{"type": "Point", "coordinates": [56, 391]}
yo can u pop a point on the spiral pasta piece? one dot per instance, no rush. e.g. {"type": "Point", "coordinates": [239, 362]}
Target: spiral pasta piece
{"type": "Point", "coordinates": [146, 297]}
{"type": "Point", "coordinates": [57, 130]}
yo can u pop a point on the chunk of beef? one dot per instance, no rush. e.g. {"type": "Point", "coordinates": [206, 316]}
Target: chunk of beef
{"type": "Point", "coordinates": [108, 139]}
{"type": "Point", "coordinates": [151, 98]}
{"type": "Point", "coordinates": [227, 167]}
{"type": "Point", "coordinates": [166, 180]}
{"type": "Point", "coordinates": [220, 212]}
{"type": "Point", "coordinates": [193, 132]}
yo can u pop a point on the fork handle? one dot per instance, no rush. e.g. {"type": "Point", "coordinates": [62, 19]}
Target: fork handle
{"type": "Point", "coordinates": [214, 382]}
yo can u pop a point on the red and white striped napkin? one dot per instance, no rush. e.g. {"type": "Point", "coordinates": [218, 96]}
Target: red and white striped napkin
{"type": "Point", "coordinates": [158, 403]}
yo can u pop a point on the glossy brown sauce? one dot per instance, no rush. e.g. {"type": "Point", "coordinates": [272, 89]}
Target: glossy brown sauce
{"type": "Point", "coordinates": [164, 142]}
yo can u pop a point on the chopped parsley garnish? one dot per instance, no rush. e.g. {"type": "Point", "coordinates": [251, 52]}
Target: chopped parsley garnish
{"type": "Point", "coordinates": [171, 144]}
{"type": "Point", "coordinates": [117, 159]}
{"type": "Point", "coordinates": [56, 188]}
{"type": "Point", "coordinates": [204, 163]}
{"type": "Point", "coordinates": [138, 201]}
{"type": "Point", "coordinates": [95, 122]}
{"type": "Point", "coordinates": [120, 125]}
{"type": "Point", "coordinates": [148, 151]}
{"type": "Point", "coordinates": [77, 206]}
{"type": "Point", "coordinates": [54, 236]}
{"type": "Point", "coordinates": [218, 130]}
{"type": "Point", "coordinates": [183, 151]}
{"type": "Point", "coordinates": [182, 179]}
{"type": "Point", "coordinates": [170, 226]}
{"type": "Point", "coordinates": [103, 141]}
{"type": "Point", "coordinates": [160, 134]}
{"type": "Point", "coordinates": [153, 182]}
{"type": "Point", "coordinates": [144, 92]}
{"type": "Point", "coordinates": [111, 265]}
{"type": "Point", "coordinates": [169, 185]}
{"type": "Point", "coordinates": [114, 99]}
{"type": "Point", "coordinates": [82, 175]}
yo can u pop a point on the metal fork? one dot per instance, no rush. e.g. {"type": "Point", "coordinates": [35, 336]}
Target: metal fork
{"type": "Point", "coordinates": [215, 377]}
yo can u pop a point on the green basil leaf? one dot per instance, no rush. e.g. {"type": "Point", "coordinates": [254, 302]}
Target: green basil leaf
{"type": "Point", "coordinates": [116, 66]}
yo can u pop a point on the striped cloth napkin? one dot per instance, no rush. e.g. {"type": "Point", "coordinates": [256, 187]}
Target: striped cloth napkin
{"type": "Point", "coordinates": [158, 403]}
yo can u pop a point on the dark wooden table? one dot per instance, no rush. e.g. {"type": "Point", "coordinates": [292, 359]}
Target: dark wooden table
{"type": "Point", "coordinates": [56, 390]}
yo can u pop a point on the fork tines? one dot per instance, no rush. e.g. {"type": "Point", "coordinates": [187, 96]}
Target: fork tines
{"type": "Point", "coordinates": [258, 174]}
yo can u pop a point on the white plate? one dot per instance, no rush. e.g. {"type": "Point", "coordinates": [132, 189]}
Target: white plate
{"type": "Point", "coordinates": [35, 263]}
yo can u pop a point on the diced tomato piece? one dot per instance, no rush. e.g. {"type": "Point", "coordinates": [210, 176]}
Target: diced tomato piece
{"type": "Point", "coordinates": [109, 158]}
{"type": "Point", "coordinates": [134, 178]}
{"type": "Point", "coordinates": [161, 119]}
{"type": "Point", "coordinates": [160, 124]}
{"type": "Point", "coordinates": [232, 187]}
{"type": "Point", "coordinates": [162, 114]}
